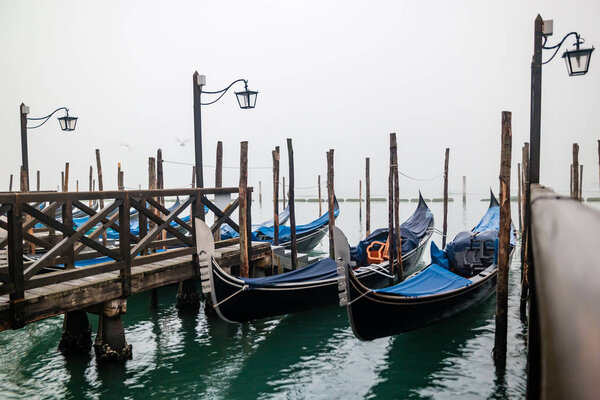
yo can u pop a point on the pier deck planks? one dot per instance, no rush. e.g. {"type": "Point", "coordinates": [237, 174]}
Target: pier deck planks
{"type": "Point", "coordinates": [51, 300]}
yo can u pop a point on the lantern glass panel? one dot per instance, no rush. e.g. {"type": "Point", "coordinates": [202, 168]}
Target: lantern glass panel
{"type": "Point", "coordinates": [578, 61]}
{"type": "Point", "coordinates": [246, 99]}
{"type": "Point", "coordinates": [67, 123]}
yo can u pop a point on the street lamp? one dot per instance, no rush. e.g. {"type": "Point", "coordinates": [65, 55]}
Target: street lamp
{"type": "Point", "coordinates": [246, 100]}
{"type": "Point", "coordinates": [577, 61]}
{"type": "Point", "coordinates": [67, 124]}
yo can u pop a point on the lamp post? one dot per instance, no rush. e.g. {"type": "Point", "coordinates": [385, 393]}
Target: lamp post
{"type": "Point", "coordinates": [578, 62]}
{"type": "Point", "coordinates": [246, 100]}
{"type": "Point", "coordinates": [67, 124]}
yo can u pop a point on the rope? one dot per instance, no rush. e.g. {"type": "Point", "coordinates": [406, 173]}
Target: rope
{"type": "Point", "coordinates": [374, 269]}
{"type": "Point", "coordinates": [210, 166]}
{"type": "Point", "coordinates": [362, 295]}
{"type": "Point", "coordinates": [420, 179]}
{"type": "Point", "coordinates": [245, 287]}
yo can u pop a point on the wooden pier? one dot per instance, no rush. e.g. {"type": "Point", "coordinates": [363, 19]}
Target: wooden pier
{"type": "Point", "coordinates": [47, 282]}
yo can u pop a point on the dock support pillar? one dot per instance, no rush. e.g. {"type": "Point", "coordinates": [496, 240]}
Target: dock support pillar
{"type": "Point", "coordinates": [188, 297]}
{"type": "Point", "coordinates": [110, 343]}
{"type": "Point", "coordinates": [76, 335]}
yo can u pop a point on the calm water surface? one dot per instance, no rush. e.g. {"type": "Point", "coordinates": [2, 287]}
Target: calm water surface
{"type": "Point", "coordinates": [306, 355]}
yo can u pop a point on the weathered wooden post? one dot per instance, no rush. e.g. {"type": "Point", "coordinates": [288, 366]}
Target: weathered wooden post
{"type": "Point", "coordinates": [575, 187]}
{"type": "Point", "coordinates": [283, 189]}
{"type": "Point", "coordinates": [39, 180]}
{"type": "Point", "coordinates": [91, 184]}
{"type": "Point", "coordinates": [464, 189]}
{"type": "Point", "coordinates": [100, 188]}
{"type": "Point", "coordinates": [571, 177]}
{"type": "Point", "coordinates": [445, 223]}
{"type": "Point", "coordinates": [260, 193]}
{"type": "Point", "coordinates": [319, 194]}
{"type": "Point", "coordinates": [330, 201]}
{"type": "Point", "coordinates": [391, 234]}
{"type": "Point", "coordinates": [10, 183]}
{"type": "Point", "coordinates": [275, 154]}
{"type": "Point", "coordinates": [77, 185]}
{"type": "Point", "coordinates": [152, 183]}
{"type": "Point", "coordinates": [360, 200]}
{"type": "Point", "coordinates": [598, 162]}
{"type": "Point", "coordinates": [293, 239]}
{"type": "Point", "coordinates": [525, 231]}
{"type": "Point", "coordinates": [397, 233]}
{"type": "Point", "coordinates": [218, 181]}
{"type": "Point", "coordinates": [504, 246]}
{"type": "Point", "coordinates": [243, 211]}
{"type": "Point", "coordinates": [367, 196]}
{"type": "Point", "coordinates": [110, 343]}
{"type": "Point", "coordinates": [519, 196]}
{"type": "Point", "coordinates": [66, 187]}
{"type": "Point", "coordinates": [160, 184]}
{"type": "Point", "coordinates": [62, 181]}
{"type": "Point", "coordinates": [193, 177]}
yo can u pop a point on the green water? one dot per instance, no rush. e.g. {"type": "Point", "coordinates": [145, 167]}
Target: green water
{"type": "Point", "coordinates": [305, 355]}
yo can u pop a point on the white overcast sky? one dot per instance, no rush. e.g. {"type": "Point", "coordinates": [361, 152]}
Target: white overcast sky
{"type": "Point", "coordinates": [331, 74]}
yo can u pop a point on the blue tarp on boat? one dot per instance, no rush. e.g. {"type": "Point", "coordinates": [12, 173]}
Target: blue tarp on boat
{"type": "Point", "coordinates": [267, 233]}
{"type": "Point", "coordinates": [322, 269]}
{"type": "Point", "coordinates": [433, 280]}
{"type": "Point", "coordinates": [228, 232]}
{"type": "Point", "coordinates": [412, 232]}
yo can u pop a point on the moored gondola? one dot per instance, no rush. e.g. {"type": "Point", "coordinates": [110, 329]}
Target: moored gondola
{"type": "Point", "coordinates": [239, 299]}
{"type": "Point", "coordinates": [461, 275]}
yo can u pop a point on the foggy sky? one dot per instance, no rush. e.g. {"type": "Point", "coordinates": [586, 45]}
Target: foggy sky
{"type": "Point", "coordinates": [339, 75]}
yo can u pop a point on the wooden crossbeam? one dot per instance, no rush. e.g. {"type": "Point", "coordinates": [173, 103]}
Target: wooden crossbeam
{"type": "Point", "coordinates": [107, 223]}
{"type": "Point", "coordinates": [165, 211]}
{"type": "Point", "coordinates": [80, 246]}
{"type": "Point", "coordinates": [160, 226]}
{"type": "Point", "coordinates": [157, 220]}
{"type": "Point", "coordinates": [51, 208]}
{"type": "Point", "coordinates": [4, 208]}
{"type": "Point", "coordinates": [29, 236]}
{"type": "Point", "coordinates": [73, 236]}
{"type": "Point", "coordinates": [223, 216]}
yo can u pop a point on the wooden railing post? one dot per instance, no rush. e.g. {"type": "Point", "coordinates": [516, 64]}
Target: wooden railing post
{"type": "Point", "coordinates": [15, 263]}
{"type": "Point", "coordinates": [243, 216]}
{"type": "Point", "coordinates": [124, 246]}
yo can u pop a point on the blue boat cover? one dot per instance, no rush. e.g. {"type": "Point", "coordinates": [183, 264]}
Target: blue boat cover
{"type": "Point", "coordinates": [412, 232]}
{"type": "Point", "coordinates": [228, 232]}
{"type": "Point", "coordinates": [432, 280]}
{"type": "Point", "coordinates": [320, 270]}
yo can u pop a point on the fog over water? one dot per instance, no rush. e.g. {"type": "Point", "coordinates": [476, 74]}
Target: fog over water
{"type": "Point", "coordinates": [339, 75]}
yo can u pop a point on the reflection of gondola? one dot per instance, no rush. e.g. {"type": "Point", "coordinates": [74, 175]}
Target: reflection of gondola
{"type": "Point", "coordinates": [243, 299]}
{"type": "Point", "coordinates": [433, 293]}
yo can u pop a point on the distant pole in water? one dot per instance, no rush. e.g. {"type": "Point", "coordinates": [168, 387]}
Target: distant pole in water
{"type": "Point", "coordinates": [260, 193]}
{"type": "Point", "coordinates": [575, 187]}
{"type": "Point", "coordinates": [445, 223]}
{"type": "Point", "coordinates": [62, 181]}
{"type": "Point", "coordinates": [219, 165]}
{"type": "Point", "coordinates": [397, 234]}
{"type": "Point", "coordinates": [77, 185]}
{"type": "Point", "coordinates": [143, 222]}
{"type": "Point", "coordinates": [119, 176]}
{"type": "Point", "coordinates": [275, 154]}
{"type": "Point", "coordinates": [330, 201]}
{"type": "Point", "coordinates": [193, 176]}
{"type": "Point", "coordinates": [283, 178]}
{"type": "Point", "coordinates": [598, 161]}
{"type": "Point", "coordinates": [94, 185]}
{"type": "Point", "coordinates": [160, 184]}
{"type": "Point", "coordinates": [504, 246]}
{"type": "Point", "coordinates": [464, 189]}
{"type": "Point", "coordinates": [10, 183]}
{"type": "Point", "coordinates": [581, 182]}
{"type": "Point", "coordinates": [100, 185]}
{"type": "Point", "coordinates": [243, 211]}
{"type": "Point", "coordinates": [293, 238]}
{"type": "Point", "coordinates": [367, 196]}
{"type": "Point", "coordinates": [91, 184]}
{"type": "Point", "coordinates": [360, 199]}
{"type": "Point", "coordinates": [391, 241]}
{"type": "Point", "coordinates": [39, 180]}
{"type": "Point", "coordinates": [319, 190]}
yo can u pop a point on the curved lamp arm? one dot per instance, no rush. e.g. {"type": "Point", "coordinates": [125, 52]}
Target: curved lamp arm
{"type": "Point", "coordinates": [223, 91]}
{"type": "Point", "coordinates": [557, 46]}
{"type": "Point", "coordinates": [46, 118]}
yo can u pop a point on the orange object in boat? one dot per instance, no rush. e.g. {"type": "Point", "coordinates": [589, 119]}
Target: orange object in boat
{"type": "Point", "coordinates": [377, 252]}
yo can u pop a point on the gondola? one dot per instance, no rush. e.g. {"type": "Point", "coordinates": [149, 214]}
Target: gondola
{"type": "Point", "coordinates": [228, 232]}
{"type": "Point", "coordinates": [435, 292]}
{"type": "Point", "coordinates": [238, 299]}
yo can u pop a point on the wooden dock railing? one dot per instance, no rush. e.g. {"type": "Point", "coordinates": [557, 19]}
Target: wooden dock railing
{"type": "Point", "coordinates": [565, 236]}
{"type": "Point", "coordinates": [64, 240]}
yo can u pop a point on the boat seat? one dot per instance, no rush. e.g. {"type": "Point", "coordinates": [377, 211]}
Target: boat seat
{"type": "Point", "coordinates": [377, 252]}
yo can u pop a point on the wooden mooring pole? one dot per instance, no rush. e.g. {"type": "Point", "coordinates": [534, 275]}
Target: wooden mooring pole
{"type": "Point", "coordinates": [218, 181]}
{"type": "Point", "coordinates": [10, 182]}
{"type": "Point", "coordinates": [464, 189]}
{"type": "Point", "coordinates": [525, 230]}
{"type": "Point", "coordinates": [66, 187]}
{"type": "Point", "coordinates": [575, 185]}
{"type": "Point", "coordinates": [445, 223]}
{"type": "Point", "coordinates": [367, 196]}
{"type": "Point", "coordinates": [260, 193]}
{"type": "Point", "coordinates": [330, 201]}
{"type": "Point", "coordinates": [581, 182]}
{"type": "Point", "coordinates": [319, 190]}
{"type": "Point", "coordinates": [291, 197]}
{"type": "Point", "coordinates": [39, 180]}
{"type": "Point", "coordinates": [91, 184]}
{"type": "Point", "coordinates": [194, 176]}
{"type": "Point", "coordinates": [283, 189]}
{"type": "Point", "coordinates": [391, 241]}
{"type": "Point", "coordinates": [519, 176]}
{"type": "Point", "coordinates": [504, 247]}
{"type": "Point", "coordinates": [100, 189]}
{"type": "Point", "coordinates": [62, 181]}
{"type": "Point", "coordinates": [275, 154]}
{"type": "Point", "coordinates": [360, 200]}
{"type": "Point", "coordinates": [397, 233]}
{"type": "Point", "coordinates": [243, 211]}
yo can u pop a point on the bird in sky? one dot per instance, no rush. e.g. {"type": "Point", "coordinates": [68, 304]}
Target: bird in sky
{"type": "Point", "coordinates": [182, 143]}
